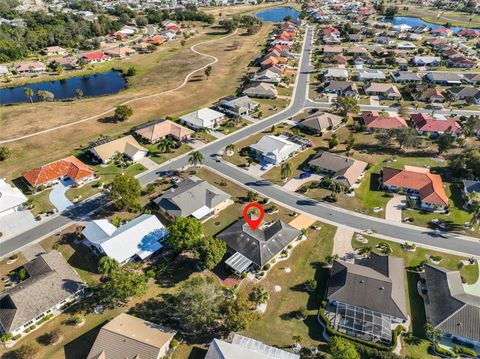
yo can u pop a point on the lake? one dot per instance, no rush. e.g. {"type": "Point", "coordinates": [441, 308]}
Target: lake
{"type": "Point", "coordinates": [277, 14]}
{"type": "Point", "coordinates": [415, 21]}
{"type": "Point", "coordinates": [105, 83]}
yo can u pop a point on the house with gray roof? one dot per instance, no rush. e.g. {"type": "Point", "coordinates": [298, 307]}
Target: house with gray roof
{"type": "Point", "coordinates": [406, 76]}
{"type": "Point", "coordinates": [238, 106]}
{"type": "Point", "coordinates": [260, 90]}
{"type": "Point", "coordinates": [255, 248]}
{"type": "Point", "coordinates": [445, 78]}
{"type": "Point", "coordinates": [51, 284]}
{"type": "Point", "coordinates": [369, 75]}
{"type": "Point", "coordinates": [320, 122]}
{"type": "Point", "coordinates": [467, 93]}
{"type": "Point", "coordinates": [471, 191]}
{"type": "Point", "coordinates": [449, 306]}
{"type": "Point", "coordinates": [342, 88]}
{"type": "Point", "coordinates": [344, 170]}
{"type": "Point", "coordinates": [267, 76]}
{"type": "Point", "coordinates": [240, 347]}
{"type": "Point", "coordinates": [367, 299]}
{"type": "Point", "coordinates": [193, 197]}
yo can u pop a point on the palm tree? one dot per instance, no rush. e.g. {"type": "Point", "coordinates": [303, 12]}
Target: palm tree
{"type": "Point", "coordinates": [286, 170]}
{"type": "Point", "coordinates": [166, 144]}
{"type": "Point", "coordinates": [365, 251]}
{"type": "Point", "coordinates": [195, 158]}
{"type": "Point", "coordinates": [297, 340]}
{"type": "Point", "coordinates": [250, 160]}
{"type": "Point", "coordinates": [230, 149]}
{"type": "Point", "coordinates": [258, 295]}
{"type": "Point", "coordinates": [29, 93]}
{"type": "Point", "coordinates": [79, 93]}
{"type": "Point", "coordinates": [252, 196]}
{"type": "Point", "coordinates": [119, 160]}
{"type": "Point", "coordinates": [108, 265]}
{"type": "Point", "coordinates": [476, 216]}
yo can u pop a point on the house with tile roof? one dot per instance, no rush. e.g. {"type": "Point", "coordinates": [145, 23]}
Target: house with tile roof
{"type": "Point", "coordinates": [319, 122]}
{"type": "Point", "coordinates": [67, 168]}
{"type": "Point", "coordinates": [419, 184]}
{"type": "Point", "coordinates": [450, 306]}
{"type": "Point", "coordinates": [384, 90]}
{"type": "Point", "coordinates": [427, 125]}
{"type": "Point", "coordinates": [433, 95]}
{"type": "Point", "coordinates": [96, 57]}
{"type": "Point", "coordinates": [126, 336]}
{"type": "Point", "coordinates": [11, 198]}
{"type": "Point", "coordinates": [50, 286]}
{"type": "Point", "coordinates": [442, 31]}
{"type": "Point", "coordinates": [377, 122]}
{"type": "Point", "coordinates": [367, 299]}
{"type": "Point", "coordinates": [153, 132]}
{"type": "Point", "coordinates": [127, 146]}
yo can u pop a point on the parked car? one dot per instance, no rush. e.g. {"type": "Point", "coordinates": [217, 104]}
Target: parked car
{"type": "Point", "coordinates": [304, 175]}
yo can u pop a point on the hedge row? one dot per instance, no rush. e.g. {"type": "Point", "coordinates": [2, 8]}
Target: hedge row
{"type": "Point", "coordinates": [466, 351]}
{"type": "Point", "coordinates": [332, 332]}
{"type": "Point", "coordinates": [442, 351]}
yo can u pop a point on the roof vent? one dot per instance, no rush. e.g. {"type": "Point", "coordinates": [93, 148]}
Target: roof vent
{"type": "Point", "coordinates": [381, 288]}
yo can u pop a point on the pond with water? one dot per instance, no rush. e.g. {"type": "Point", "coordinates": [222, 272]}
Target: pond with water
{"type": "Point", "coordinates": [106, 83]}
{"type": "Point", "coordinates": [415, 21]}
{"type": "Point", "coordinates": [277, 14]}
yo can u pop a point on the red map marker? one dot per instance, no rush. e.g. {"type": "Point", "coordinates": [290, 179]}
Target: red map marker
{"type": "Point", "coordinates": [253, 223]}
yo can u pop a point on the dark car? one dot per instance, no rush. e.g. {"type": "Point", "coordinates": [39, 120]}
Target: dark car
{"type": "Point", "coordinates": [304, 175]}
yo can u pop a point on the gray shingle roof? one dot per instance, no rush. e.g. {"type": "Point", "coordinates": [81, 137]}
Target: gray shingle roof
{"type": "Point", "coordinates": [51, 281]}
{"type": "Point", "coordinates": [190, 195]}
{"type": "Point", "coordinates": [378, 285]}
{"type": "Point", "coordinates": [448, 306]}
{"type": "Point", "coordinates": [260, 246]}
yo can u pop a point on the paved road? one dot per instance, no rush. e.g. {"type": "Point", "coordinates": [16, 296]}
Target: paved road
{"type": "Point", "coordinates": [328, 213]}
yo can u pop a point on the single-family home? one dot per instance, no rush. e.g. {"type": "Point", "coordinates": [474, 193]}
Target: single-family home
{"type": "Point", "coordinates": [96, 57]}
{"type": "Point", "coordinates": [367, 299]}
{"type": "Point", "coordinates": [50, 286]}
{"type": "Point", "coordinates": [4, 70]}
{"type": "Point", "coordinates": [405, 45]}
{"type": "Point", "coordinates": [67, 63]}
{"type": "Point", "coordinates": [471, 192]}
{"type": "Point", "coordinates": [406, 76]}
{"type": "Point", "coordinates": [135, 240]}
{"type": "Point", "coordinates": [320, 122]}
{"type": "Point", "coordinates": [54, 50]}
{"type": "Point", "coordinates": [432, 95]}
{"type": "Point", "coordinates": [376, 122]}
{"type": "Point", "coordinates": [445, 78]}
{"type": "Point", "coordinates": [344, 170]}
{"type": "Point", "coordinates": [335, 74]}
{"type": "Point", "coordinates": [31, 67]}
{"type": "Point", "coordinates": [448, 306]}
{"type": "Point", "coordinates": [11, 198]}
{"type": "Point", "coordinates": [401, 27]}
{"type": "Point", "coordinates": [469, 33]}
{"type": "Point", "coordinates": [442, 31]}
{"type": "Point", "coordinates": [68, 168]}
{"type": "Point", "coordinates": [260, 90]}
{"type": "Point", "coordinates": [419, 184]}
{"type": "Point", "coordinates": [433, 127]}
{"type": "Point", "coordinates": [121, 51]}
{"type": "Point", "coordinates": [371, 75]}
{"type": "Point", "coordinates": [267, 76]}
{"type": "Point", "coordinates": [155, 131]}
{"type": "Point", "coordinates": [330, 30]}
{"type": "Point", "coordinates": [156, 40]}
{"type": "Point", "coordinates": [127, 146]}
{"type": "Point", "coordinates": [126, 336]}
{"type": "Point", "coordinates": [342, 88]}
{"type": "Point", "coordinates": [250, 249]}
{"type": "Point", "coordinates": [238, 106]}
{"type": "Point", "coordinates": [461, 62]}
{"type": "Point", "coordinates": [332, 50]}
{"type": "Point", "coordinates": [193, 197]}
{"type": "Point", "coordinates": [388, 91]}
{"type": "Point", "coordinates": [467, 93]}
{"type": "Point", "coordinates": [243, 347]}
{"type": "Point", "coordinates": [203, 118]}
{"type": "Point", "coordinates": [425, 60]}
{"type": "Point", "coordinates": [274, 149]}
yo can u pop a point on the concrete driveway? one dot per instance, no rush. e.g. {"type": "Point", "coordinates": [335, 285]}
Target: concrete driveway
{"type": "Point", "coordinates": [393, 209]}
{"type": "Point", "coordinates": [58, 195]}
{"type": "Point", "coordinates": [15, 223]}
{"type": "Point", "coordinates": [295, 183]}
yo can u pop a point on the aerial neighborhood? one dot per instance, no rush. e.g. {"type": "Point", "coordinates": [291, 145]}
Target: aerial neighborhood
{"type": "Point", "coordinates": [228, 179]}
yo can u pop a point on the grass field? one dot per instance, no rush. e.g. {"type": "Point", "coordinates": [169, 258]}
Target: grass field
{"type": "Point", "coordinates": [163, 69]}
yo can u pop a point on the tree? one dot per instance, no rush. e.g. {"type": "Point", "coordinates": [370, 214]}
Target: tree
{"type": "Point", "coordinates": [25, 351]}
{"type": "Point", "coordinates": [184, 233]}
{"type": "Point", "coordinates": [5, 153]}
{"type": "Point", "coordinates": [166, 144]}
{"type": "Point", "coordinates": [211, 251]}
{"type": "Point", "coordinates": [346, 104]}
{"type": "Point", "coordinates": [45, 95]}
{"type": "Point", "coordinates": [445, 142]}
{"type": "Point", "coordinates": [407, 137]}
{"type": "Point", "coordinates": [124, 192]}
{"type": "Point", "coordinates": [7, 337]}
{"type": "Point", "coordinates": [183, 42]}
{"type": "Point", "coordinates": [297, 339]}
{"type": "Point", "coordinates": [258, 295]}
{"type": "Point", "coordinates": [476, 215]}
{"type": "Point", "coordinates": [391, 11]}
{"type": "Point", "coordinates": [195, 158]}
{"type": "Point", "coordinates": [385, 137]}
{"type": "Point", "coordinates": [403, 110]}
{"type": "Point", "coordinates": [208, 71]}
{"type": "Point", "coordinates": [432, 333]}
{"type": "Point", "coordinates": [230, 148]}
{"type": "Point", "coordinates": [53, 337]}
{"type": "Point", "coordinates": [332, 141]}
{"type": "Point", "coordinates": [108, 266]}
{"type": "Point", "coordinates": [141, 21]}
{"type": "Point", "coordinates": [123, 112]}
{"type": "Point", "coordinates": [466, 164]}
{"type": "Point", "coordinates": [131, 71]}
{"type": "Point", "coordinates": [29, 93]}
{"type": "Point", "coordinates": [252, 196]}
{"type": "Point", "coordinates": [350, 142]}
{"type": "Point", "coordinates": [365, 251]}
{"type": "Point", "coordinates": [228, 25]}
{"type": "Point", "coordinates": [79, 93]}
{"type": "Point", "coordinates": [238, 314]}
{"type": "Point", "coordinates": [286, 170]}
{"type": "Point", "coordinates": [340, 348]}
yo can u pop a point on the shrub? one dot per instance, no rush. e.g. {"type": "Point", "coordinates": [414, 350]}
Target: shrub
{"type": "Point", "coordinates": [174, 343]}
{"type": "Point", "coordinates": [26, 351]}
{"type": "Point", "coordinates": [436, 258]}
{"type": "Point", "coordinates": [266, 266]}
{"type": "Point", "coordinates": [460, 342]}
{"type": "Point", "coordinates": [16, 337]}
{"type": "Point", "coordinates": [6, 337]}
{"type": "Point", "coordinates": [466, 351]}
{"type": "Point", "coordinates": [443, 351]}
{"type": "Point", "coordinates": [56, 246]}
{"type": "Point", "coordinates": [79, 319]}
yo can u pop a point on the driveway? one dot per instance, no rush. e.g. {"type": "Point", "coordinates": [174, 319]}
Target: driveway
{"type": "Point", "coordinates": [148, 163]}
{"type": "Point", "coordinates": [58, 197]}
{"type": "Point", "coordinates": [393, 209]}
{"type": "Point", "coordinates": [374, 101]}
{"type": "Point", "coordinates": [15, 223]}
{"type": "Point", "coordinates": [296, 183]}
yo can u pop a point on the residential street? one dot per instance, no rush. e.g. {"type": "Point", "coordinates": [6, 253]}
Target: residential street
{"type": "Point", "coordinates": [325, 212]}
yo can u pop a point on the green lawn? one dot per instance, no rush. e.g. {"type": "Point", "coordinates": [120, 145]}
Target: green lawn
{"type": "Point", "coordinates": [225, 129]}
{"type": "Point", "coordinates": [41, 202]}
{"type": "Point", "coordinates": [160, 157]}
{"type": "Point", "coordinates": [278, 325]}
{"type": "Point", "coordinates": [270, 106]}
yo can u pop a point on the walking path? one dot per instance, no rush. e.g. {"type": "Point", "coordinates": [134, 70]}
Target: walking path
{"type": "Point", "coordinates": [185, 81]}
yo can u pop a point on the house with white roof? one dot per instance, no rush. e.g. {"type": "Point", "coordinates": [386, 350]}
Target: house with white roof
{"type": "Point", "coordinates": [426, 61]}
{"type": "Point", "coordinates": [203, 118]}
{"type": "Point", "coordinates": [11, 198]}
{"type": "Point", "coordinates": [137, 239]}
{"type": "Point", "coordinates": [274, 149]}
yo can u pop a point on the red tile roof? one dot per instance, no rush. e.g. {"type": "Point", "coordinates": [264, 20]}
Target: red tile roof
{"type": "Point", "coordinates": [469, 33]}
{"type": "Point", "coordinates": [442, 30]}
{"type": "Point", "coordinates": [95, 56]}
{"type": "Point", "coordinates": [70, 166]}
{"type": "Point", "coordinates": [426, 123]}
{"type": "Point", "coordinates": [429, 186]}
{"type": "Point", "coordinates": [374, 120]}
{"type": "Point", "coordinates": [174, 27]}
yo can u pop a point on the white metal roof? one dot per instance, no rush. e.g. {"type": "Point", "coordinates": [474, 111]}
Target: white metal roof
{"type": "Point", "coordinates": [201, 212]}
{"type": "Point", "coordinates": [238, 262]}
{"type": "Point", "coordinates": [10, 197]}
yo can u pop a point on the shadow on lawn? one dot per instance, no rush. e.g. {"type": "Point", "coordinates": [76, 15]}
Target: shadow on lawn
{"type": "Point", "coordinates": [80, 347]}
{"type": "Point", "coordinates": [417, 309]}
{"type": "Point", "coordinates": [392, 150]}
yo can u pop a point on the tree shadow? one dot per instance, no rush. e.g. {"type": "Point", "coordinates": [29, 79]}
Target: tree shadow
{"type": "Point", "coordinates": [80, 347]}
{"type": "Point", "coordinates": [374, 148]}
{"type": "Point", "coordinates": [108, 119]}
